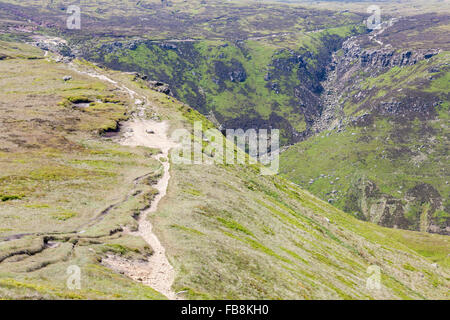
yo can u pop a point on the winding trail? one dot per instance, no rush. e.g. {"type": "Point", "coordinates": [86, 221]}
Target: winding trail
{"type": "Point", "coordinates": [157, 272]}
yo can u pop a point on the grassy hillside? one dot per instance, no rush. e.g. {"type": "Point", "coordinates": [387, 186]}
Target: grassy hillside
{"type": "Point", "coordinates": [262, 237]}
{"type": "Point", "coordinates": [253, 237]}
{"type": "Point", "coordinates": [228, 231]}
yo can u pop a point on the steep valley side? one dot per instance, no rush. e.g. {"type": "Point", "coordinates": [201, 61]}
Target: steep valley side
{"type": "Point", "coordinates": [263, 83]}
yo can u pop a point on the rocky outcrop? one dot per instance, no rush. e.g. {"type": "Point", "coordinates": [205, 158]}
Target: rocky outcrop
{"type": "Point", "coordinates": [56, 45]}
{"type": "Point", "coordinates": [233, 71]}
{"type": "Point", "coordinates": [389, 58]}
{"type": "Point", "coordinates": [383, 57]}
{"type": "Point", "coordinates": [424, 107]}
{"type": "Point", "coordinates": [160, 87]}
{"type": "Point", "coordinates": [154, 85]}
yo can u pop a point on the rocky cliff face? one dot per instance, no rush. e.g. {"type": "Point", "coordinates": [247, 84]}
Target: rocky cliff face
{"type": "Point", "coordinates": [384, 57]}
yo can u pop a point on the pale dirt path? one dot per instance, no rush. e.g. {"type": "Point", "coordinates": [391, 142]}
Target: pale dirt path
{"type": "Point", "coordinates": [157, 272]}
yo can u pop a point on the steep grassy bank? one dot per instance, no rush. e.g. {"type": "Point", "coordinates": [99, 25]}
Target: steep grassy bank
{"type": "Point", "coordinates": [250, 236]}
